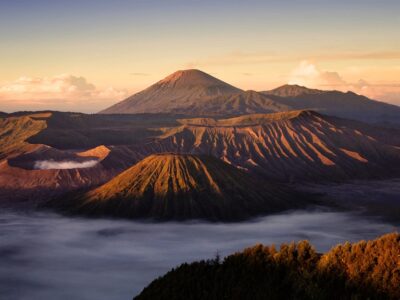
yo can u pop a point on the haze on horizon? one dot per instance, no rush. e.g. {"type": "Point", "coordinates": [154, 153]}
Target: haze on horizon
{"type": "Point", "coordinates": [65, 55]}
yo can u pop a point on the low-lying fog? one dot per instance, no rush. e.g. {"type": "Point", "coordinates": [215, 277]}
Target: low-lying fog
{"type": "Point", "coordinates": [70, 164]}
{"type": "Point", "coordinates": [46, 256]}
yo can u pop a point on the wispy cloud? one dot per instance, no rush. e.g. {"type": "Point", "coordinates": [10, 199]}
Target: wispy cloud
{"type": "Point", "coordinates": [57, 92]}
{"type": "Point", "coordinates": [361, 55]}
{"type": "Point", "coordinates": [235, 58]}
{"type": "Point", "coordinates": [310, 75]}
{"type": "Point", "coordinates": [241, 58]}
{"type": "Point", "coordinates": [139, 74]}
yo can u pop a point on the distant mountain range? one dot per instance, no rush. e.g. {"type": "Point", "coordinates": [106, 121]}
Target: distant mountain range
{"type": "Point", "coordinates": [195, 93]}
{"type": "Point", "coordinates": [293, 146]}
{"type": "Point", "coordinates": [193, 146]}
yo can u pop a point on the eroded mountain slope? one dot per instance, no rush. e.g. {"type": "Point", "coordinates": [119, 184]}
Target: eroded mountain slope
{"type": "Point", "coordinates": [300, 145]}
{"type": "Point", "coordinates": [172, 186]}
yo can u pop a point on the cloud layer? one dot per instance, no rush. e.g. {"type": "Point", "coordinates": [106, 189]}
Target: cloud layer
{"type": "Point", "coordinates": [310, 75]}
{"type": "Point", "coordinates": [106, 259]}
{"type": "Point", "coordinates": [62, 92]}
{"type": "Point", "coordinates": [52, 164]}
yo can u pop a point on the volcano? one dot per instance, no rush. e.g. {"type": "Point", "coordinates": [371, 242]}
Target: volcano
{"type": "Point", "coordinates": [195, 93]}
{"type": "Point", "coordinates": [175, 93]}
{"type": "Point", "coordinates": [181, 186]}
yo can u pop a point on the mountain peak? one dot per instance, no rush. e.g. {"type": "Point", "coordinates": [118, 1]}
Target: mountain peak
{"type": "Point", "coordinates": [193, 78]}
{"type": "Point", "coordinates": [185, 73]}
{"type": "Point", "coordinates": [291, 90]}
{"type": "Point", "coordinates": [175, 93]}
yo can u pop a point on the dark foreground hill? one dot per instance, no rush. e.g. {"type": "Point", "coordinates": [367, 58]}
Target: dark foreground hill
{"type": "Point", "coordinates": [364, 270]}
{"type": "Point", "coordinates": [171, 186]}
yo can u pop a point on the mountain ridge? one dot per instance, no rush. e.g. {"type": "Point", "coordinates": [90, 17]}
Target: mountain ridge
{"type": "Point", "coordinates": [196, 93]}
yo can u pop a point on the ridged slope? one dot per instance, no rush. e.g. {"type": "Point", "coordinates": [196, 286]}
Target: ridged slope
{"type": "Point", "coordinates": [171, 186]}
{"type": "Point", "coordinates": [14, 131]}
{"type": "Point", "coordinates": [300, 145]}
{"type": "Point", "coordinates": [248, 102]}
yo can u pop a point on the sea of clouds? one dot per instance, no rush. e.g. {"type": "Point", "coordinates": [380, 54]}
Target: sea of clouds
{"type": "Point", "coordinates": [47, 256]}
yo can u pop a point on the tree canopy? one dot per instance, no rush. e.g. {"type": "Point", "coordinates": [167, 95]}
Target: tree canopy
{"type": "Point", "coordinates": [363, 270]}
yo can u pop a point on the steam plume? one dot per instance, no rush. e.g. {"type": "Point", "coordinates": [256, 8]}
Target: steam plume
{"type": "Point", "coordinates": [52, 164]}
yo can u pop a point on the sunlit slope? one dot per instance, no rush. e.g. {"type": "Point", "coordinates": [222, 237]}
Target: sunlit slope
{"type": "Point", "coordinates": [15, 131]}
{"type": "Point", "coordinates": [171, 186]}
{"type": "Point", "coordinates": [298, 145]}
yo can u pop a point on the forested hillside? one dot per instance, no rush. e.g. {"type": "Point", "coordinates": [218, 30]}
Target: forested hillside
{"type": "Point", "coordinates": [363, 270]}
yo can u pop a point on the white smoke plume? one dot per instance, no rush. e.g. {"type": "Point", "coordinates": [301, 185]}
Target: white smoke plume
{"type": "Point", "coordinates": [68, 164]}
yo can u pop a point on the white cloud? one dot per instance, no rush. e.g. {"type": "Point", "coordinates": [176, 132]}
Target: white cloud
{"type": "Point", "coordinates": [55, 165]}
{"type": "Point", "coordinates": [310, 75]}
{"type": "Point", "coordinates": [62, 92]}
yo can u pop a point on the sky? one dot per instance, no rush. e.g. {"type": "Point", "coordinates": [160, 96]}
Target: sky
{"type": "Point", "coordinates": [86, 55]}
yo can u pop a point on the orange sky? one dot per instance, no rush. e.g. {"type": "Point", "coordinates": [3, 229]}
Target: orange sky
{"type": "Point", "coordinates": [64, 56]}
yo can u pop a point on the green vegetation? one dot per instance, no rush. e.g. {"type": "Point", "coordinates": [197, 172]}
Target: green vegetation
{"type": "Point", "coordinates": [364, 270]}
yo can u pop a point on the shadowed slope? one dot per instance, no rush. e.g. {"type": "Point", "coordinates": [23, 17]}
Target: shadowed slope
{"type": "Point", "coordinates": [39, 174]}
{"type": "Point", "coordinates": [292, 90]}
{"type": "Point", "coordinates": [170, 186]}
{"type": "Point", "coordinates": [247, 102]}
{"type": "Point", "coordinates": [335, 103]}
{"type": "Point", "coordinates": [22, 151]}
